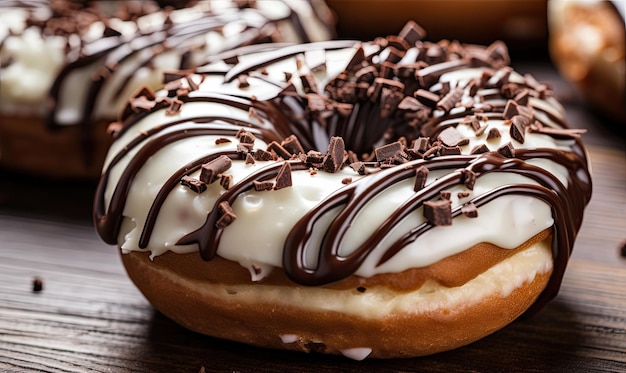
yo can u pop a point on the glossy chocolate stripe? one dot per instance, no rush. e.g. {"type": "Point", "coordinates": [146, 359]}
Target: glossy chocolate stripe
{"type": "Point", "coordinates": [331, 266]}
{"type": "Point", "coordinates": [171, 183]}
{"type": "Point", "coordinates": [208, 235]}
{"type": "Point", "coordinates": [108, 221]}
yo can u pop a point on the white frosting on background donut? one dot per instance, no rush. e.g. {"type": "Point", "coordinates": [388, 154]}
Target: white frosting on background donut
{"type": "Point", "coordinates": [37, 60]}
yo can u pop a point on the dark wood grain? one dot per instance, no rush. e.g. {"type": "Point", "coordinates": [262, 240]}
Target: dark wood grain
{"type": "Point", "coordinates": [90, 317]}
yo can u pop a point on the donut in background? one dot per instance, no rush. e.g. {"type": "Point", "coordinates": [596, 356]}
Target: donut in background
{"type": "Point", "coordinates": [68, 67]}
{"type": "Point", "coordinates": [587, 44]}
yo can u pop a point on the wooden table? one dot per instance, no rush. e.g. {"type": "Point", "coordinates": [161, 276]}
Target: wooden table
{"type": "Point", "coordinates": [90, 317]}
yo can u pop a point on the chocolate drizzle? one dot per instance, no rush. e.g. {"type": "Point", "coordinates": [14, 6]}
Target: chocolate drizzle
{"type": "Point", "coordinates": [384, 98]}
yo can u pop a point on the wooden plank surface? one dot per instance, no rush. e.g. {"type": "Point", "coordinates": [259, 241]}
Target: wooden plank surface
{"type": "Point", "coordinates": [90, 317]}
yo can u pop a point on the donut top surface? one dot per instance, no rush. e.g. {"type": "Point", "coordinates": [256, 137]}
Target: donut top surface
{"type": "Point", "coordinates": [344, 158]}
{"type": "Point", "coordinates": [76, 62]}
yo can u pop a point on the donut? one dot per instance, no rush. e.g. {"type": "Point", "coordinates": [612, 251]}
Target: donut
{"type": "Point", "coordinates": [68, 67]}
{"type": "Point", "coordinates": [383, 199]}
{"type": "Point", "coordinates": [587, 44]}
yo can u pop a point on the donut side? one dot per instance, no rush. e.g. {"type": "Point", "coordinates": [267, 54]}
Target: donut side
{"type": "Point", "coordinates": [375, 321]}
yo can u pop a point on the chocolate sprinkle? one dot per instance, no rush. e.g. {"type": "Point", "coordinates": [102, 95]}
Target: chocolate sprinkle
{"type": "Point", "coordinates": [563, 133]}
{"type": "Point", "coordinates": [222, 140]}
{"type": "Point", "coordinates": [334, 156]}
{"type": "Point", "coordinates": [210, 171]}
{"type": "Point", "coordinates": [450, 100]}
{"type": "Point", "coordinates": [263, 185]}
{"type": "Point", "coordinates": [359, 167]}
{"type": "Point", "coordinates": [462, 194]}
{"type": "Point", "coordinates": [388, 151]}
{"type": "Point", "coordinates": [193, 184]}
{"type": "Point", "coordinates": [227, 217]}
{"type": "Point", "coordinates": [175, 107]}
{"type": "Point", "coordinates": [438, 212]}
{"type": "Point", "coordinates": [469, 178]}
{"type": "Point", "coordinates": [292, 145]}
{"type": "Point", "coordinates": [452, 137]}
{"type": "Point", "coordinates": [479, 149]}
{"type": "Point", "coordinates": [510, 109]}
{"type": "Point", "coordinates": [244, 149]}
{"type": "Point", "coordinates": [427, 98]}
{"type": "Point", "coordinates": [480, 129]}
{"type": "Point", "coordinates": [469, 210]}
{"type": "Point", "coordinates": [308, 83]}
{"type": "Point", "coordinates": [450, 150]}
{"type": "Point", "coordinates": [522, 97]}
{"type": "Point", "coordinates": [517, 128]}
{"type": "Point", "coordinates": [315, 158]}
{"type": "Point", "coordinates": [421, 144]}
{"type": "Point", "coordinates": [245, 137]}
{"type": "Point", "coordinates": [250, 159]}
{"type": "Point", "coordinates": [421, 174]}
{"type": "Point", "coordinates": [493, 133]}
{"type": "Point", "coordinates": [243, 81]}
{"type": "Point", "coordinates": [226, 181]}
{"type": "Point", "coordinates": [37, 284]}
{"type": "Point", "coordinates": [141, 104]}
{"type": "Point", "coordinates": [432, 152]}
{"type": "Point", "coordinates": [507, 150]}
{"type": "Point", "coordinates": [278, 150]}
{"type": "Point", "coordinates": [263, 155]}
{"type": "Point", "coordinates": [283, 178]}
{"type": "Point", "coordinates": [170, 76]}
{"type": "Point", "coordinates": [445, 194]}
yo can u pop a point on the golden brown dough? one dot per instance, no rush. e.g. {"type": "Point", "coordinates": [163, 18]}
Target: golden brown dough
{"type": "Point", "coordinates": [249, 312]}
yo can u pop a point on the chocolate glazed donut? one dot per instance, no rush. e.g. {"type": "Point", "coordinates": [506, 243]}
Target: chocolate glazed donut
{"type": "Point", "coordinates": [387, 199]}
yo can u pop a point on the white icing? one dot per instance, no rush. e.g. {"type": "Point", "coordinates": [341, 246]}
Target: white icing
{"type": "Point", "coordinates": [357, 353]}
{"type": "Point", "coordinates": [254, 239]}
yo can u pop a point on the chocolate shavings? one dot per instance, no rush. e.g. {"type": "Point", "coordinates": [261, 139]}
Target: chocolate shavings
{"type": "Point", "coordinates": [210, 171]}
{"type": "Point", "coordinates": [469, 210]}
{"type": "Point", "coordinates": [228, 216]}
{"type": "Point", "coordinates": [334, 156]}
{"type": "Point", "coordinates": [283, 178]}
{"type": "Point", "coordinates": [438, 212]}
{"type": "Point", "coordinates": [193, 184]}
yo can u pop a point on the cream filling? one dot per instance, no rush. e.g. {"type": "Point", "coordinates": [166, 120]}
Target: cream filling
{"type": "Point", "coordinates": [380, 302]}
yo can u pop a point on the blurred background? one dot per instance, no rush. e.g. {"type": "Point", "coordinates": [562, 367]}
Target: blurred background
{"type": "Point", "coordinates": [522, 24]}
